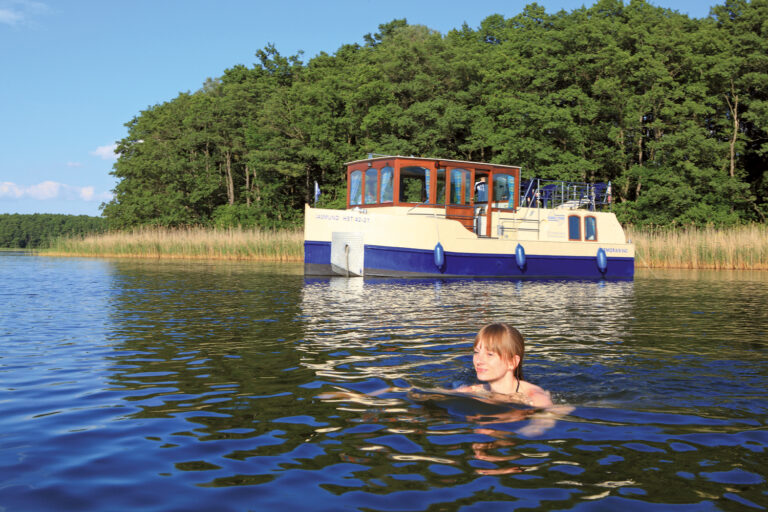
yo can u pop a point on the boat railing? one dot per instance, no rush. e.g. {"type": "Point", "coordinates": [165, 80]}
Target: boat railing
{"type": "Point", "coordinates": [539, 193]}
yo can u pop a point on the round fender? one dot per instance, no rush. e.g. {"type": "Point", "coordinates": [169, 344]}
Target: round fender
{"type": "Point", "coordinates": [520, 256]}
{"type": "Point", "coordinates": [439, 256]}
{"type": "Point", "coordinates": [602, 260]}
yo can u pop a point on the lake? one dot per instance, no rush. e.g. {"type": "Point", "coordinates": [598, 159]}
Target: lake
{"type": "Point", "coordinates": [158, 385]}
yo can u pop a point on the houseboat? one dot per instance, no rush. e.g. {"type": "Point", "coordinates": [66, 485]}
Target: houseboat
{"type": "Point", "coordinates": [430, 217]}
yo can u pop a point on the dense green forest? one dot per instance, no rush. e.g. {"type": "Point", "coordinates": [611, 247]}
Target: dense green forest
{"type": "Point", "coordinates": [38, 230]}
{"type": "Point", "coordinates": [672, 110]}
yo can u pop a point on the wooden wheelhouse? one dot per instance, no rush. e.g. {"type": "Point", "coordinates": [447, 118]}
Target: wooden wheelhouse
{"type": "Point", "coordinates": [461, 190]}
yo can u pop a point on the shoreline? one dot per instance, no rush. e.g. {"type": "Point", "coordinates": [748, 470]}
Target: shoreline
{"type": "Point", "coordinates": [708, 248]}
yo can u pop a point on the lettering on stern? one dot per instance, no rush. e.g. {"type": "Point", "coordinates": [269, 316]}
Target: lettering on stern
{"type": "Point", "coordinates": [344, 218]}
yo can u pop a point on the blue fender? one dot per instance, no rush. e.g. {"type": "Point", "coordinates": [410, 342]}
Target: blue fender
{"type": "Point", "coordinates": [602, 260]}
{"type": "Point", "coordinates": [520, 256]}
{"type": "Point", "coordinates": [439, 256]}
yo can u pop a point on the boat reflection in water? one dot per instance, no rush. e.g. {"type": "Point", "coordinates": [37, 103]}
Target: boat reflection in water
{"type": "Point", "coordinates": [422, 330]}
{"type": "Point", "coordinates": [391, 349]}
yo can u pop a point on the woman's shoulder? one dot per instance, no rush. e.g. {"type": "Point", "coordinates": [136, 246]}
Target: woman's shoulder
{"type": "Point", "coordinates": [538, 396]}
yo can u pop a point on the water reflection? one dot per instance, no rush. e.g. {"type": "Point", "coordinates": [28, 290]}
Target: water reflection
{"type": "Point", "coordinates": [233, 386]}
{"type": "Point", "coordinates": [416, 329]}
{"type": "Point", "coordinates": [203, 348]}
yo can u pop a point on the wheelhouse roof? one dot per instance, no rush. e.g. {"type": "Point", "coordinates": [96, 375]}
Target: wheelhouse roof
{"type": "Point", "coordinates": [445, 160]}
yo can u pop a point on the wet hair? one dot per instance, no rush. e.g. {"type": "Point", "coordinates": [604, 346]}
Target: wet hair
{"type": "Point", "coordinates": [506, 341]}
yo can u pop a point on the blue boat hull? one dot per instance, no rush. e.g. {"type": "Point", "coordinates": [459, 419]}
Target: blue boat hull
{"type": "Point", "coordinates": [383, 261]}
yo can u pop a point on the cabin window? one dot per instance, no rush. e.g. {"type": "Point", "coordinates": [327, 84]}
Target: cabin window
{"type": "Point", "coordinates": [590, 228]}
{"type": "Point", "coordinates": [504, 190]}
{"type": "Point", "coordinates": [371, 184]}
{"type": "Point", "coordinates": [574, 227]}
{"type": "Point", "coordinates": [355, 187]}
{"type": "Point", "coordinates": [387, 179]}
{"type": "Point", "coordinates": [460, 186]}
{"type": "Point", "coordinates": [414, 183]}
{"type": "Point", "coordinates": [440, 195]}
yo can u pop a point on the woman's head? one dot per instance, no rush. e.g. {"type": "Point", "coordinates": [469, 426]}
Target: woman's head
{"type": "Point", "coordinates": [504, 340]}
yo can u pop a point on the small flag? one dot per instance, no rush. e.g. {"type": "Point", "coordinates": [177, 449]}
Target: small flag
{"type": "Point", "coordinates": [317, 192]}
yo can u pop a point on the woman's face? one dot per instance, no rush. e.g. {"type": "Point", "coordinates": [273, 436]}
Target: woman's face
{"type": "Point", "coordinates": [490, 365]}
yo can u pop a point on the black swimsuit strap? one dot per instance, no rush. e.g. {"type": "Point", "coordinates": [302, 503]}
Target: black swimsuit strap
{"type": "Point", "coordinates": [487, 386]}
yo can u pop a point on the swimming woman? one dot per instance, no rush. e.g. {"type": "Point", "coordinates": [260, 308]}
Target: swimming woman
{"type": "Point", "coordinates": [498, 359]}
{"type": "Point", "coordinates": [499, 349]}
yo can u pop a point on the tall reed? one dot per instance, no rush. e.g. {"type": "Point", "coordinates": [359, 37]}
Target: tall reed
{"type": "Point", "coordinates": [742, 247]}
{"type": "Point", "coordinates": [735, 248]}
{"type": "Point", "coordinates": [192, 242]}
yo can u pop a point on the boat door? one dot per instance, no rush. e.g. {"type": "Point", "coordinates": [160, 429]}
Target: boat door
{"type": "Point", "coordinates": [458, 204]}
{"type": "Point", "coordinates": [480, 209]}
{"type": "Point", "coordinates": [503, 196]}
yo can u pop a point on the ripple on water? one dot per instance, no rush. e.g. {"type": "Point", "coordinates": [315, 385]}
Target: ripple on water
{"type": "Point", "coordinates": [191, 386]}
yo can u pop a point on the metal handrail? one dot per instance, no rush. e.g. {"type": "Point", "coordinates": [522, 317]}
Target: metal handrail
{"type": "Point", "coordinates": [559, 193]}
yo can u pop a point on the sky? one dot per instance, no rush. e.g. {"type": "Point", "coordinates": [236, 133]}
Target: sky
{"type": "Point", "coordinates": [73, 72]}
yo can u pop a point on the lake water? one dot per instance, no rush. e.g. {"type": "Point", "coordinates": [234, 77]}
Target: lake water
{"type": "Point", "coordinates": [239, 386]}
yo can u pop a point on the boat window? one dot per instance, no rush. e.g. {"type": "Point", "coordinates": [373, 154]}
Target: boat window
{"type": "Point", "coordinates": [460, 186]}
{"type": "Point", "coordinates": [414, 182]}
{"type": "Point", "coordinates": [387, 175]}
{"type": "Point", "coordinates": [574, 227]}
{"type": "Point", "coordinates": [504, 190]}
{"type": "Point", "coordinates": [590, 228]}
{"type": "Point", "coordinates": [371, 182]}
{"type": "Point", "coordinates": [440, 196]}
{"type": "Point", "coordinates": [355, 187]}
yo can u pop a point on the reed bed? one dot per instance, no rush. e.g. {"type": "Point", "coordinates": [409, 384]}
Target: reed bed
{"type": "Point", "coordinates": [733, 248]}
{"type": "Point", "coordinates": [187, 243]}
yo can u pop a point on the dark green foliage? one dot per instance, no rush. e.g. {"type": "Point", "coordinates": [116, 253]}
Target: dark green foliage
{"type": "Point", "coordinates": [672, 110]}
{"type": "Point", "coordinates": [38, 230]}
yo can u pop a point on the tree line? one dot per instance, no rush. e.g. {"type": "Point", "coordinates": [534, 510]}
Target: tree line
{"type": "Point", "coordinates": [38, 230]}
{"type": "Point", "coordinates": [672, 110]}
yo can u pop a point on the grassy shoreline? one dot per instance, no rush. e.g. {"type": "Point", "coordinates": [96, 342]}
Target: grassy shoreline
{"type": "Point", "coordinates": [186, 243]}
{"type": "Point", "coordinates": [735, 248]}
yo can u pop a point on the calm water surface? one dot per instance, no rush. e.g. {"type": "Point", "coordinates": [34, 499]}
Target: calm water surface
{"type": "Point", "coordinates": [218, 386]}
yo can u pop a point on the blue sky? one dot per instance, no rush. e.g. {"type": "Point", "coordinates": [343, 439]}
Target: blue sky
{"type": "Point", "coordinates": [73, 72]}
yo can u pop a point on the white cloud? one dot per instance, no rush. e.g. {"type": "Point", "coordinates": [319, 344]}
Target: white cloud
{"type": "Point", "coordinates": [74, 164]}
{"type": "Point", "coordinates": [44, 190]}
{"type": "Point", "coordinates": [17, 12]}
{"type": "Point", "coordinates": [10, 17]}
{"type": "Point", "coordinates": [87, 193]}
{"type": "Point", "coordinates": [105, 152]}
{"type": "Point", "coordinates": [8, 189]}
{"type": "Point", "coordinates": [52, 190]}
